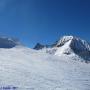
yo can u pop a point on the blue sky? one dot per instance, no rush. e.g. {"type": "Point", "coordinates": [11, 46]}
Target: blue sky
{"type": "Point", "coordinates": [44, 21]}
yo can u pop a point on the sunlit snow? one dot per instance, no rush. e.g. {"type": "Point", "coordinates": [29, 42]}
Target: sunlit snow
{"type": "Point", "coordinates": [29, 69]}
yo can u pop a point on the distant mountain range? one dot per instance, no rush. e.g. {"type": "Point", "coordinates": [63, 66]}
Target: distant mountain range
{"type": "Point", "coordinates": [60, 66]}
{"type": "Point", "coordinates": [6, 42]}
{"type": "Point", "coordinates": [68, 45]}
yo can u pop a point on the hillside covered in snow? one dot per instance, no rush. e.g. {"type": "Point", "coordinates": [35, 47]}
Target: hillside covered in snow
{"type": "Point", "coordinates": [56, 67]}
{"type": "Point", "coordinates": [68, 45]}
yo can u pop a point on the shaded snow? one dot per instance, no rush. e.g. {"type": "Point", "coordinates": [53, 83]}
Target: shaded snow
{"type": "Point", "coordinates": [69, 45]}
{"type": "Point", "coordinates": [28, 69]}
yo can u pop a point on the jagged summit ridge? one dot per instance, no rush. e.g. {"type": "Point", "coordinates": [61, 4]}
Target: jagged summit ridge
{"type": "Point", "coordinates": [73, 45]}
{"type": "Point", "coordinates": [63, 40]}
{"type": "Point", "coordinates": [70, 45]}
{"type": "Point", "coordinates": [75, 42]}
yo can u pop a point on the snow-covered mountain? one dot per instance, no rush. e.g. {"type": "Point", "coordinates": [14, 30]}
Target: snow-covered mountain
{"type": "Point", "coordinates": [6, 42]}
{"type": "Point", "coordinates": [70, 45]}
{"type": "Point", "coordinates": [22, 68]}
{"type": "Point", "coordinates": [27, 69]}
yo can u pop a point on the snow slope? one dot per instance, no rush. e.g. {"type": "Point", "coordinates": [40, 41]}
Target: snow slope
{"type": "Point", "coordinates": [69, 45]}
{"type": "Point", "coordinates": [28, 69]}
{"type": "Point", "coordinates": [73, 45]}
{"type": "Point", "coordinates": [65, 49]}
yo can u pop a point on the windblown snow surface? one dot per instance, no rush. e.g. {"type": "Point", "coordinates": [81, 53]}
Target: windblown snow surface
{"type": "Point", "coordinates": [28, 69]}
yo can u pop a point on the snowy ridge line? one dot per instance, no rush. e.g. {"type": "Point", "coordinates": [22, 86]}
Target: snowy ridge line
{"type": "Point", "coordinates": [69, 45]}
